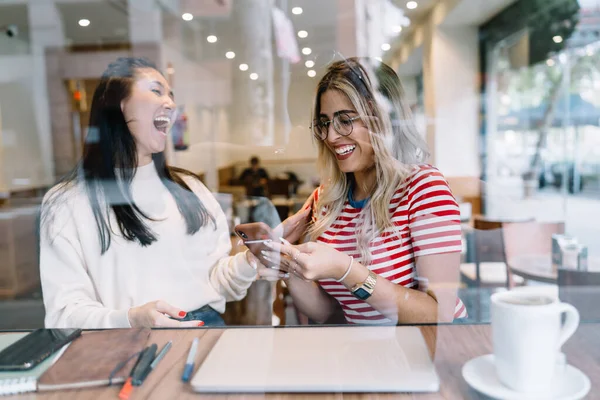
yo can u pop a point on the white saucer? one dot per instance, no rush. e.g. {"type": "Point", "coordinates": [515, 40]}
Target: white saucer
{"type": "Point", "coordinates": [480, 374]}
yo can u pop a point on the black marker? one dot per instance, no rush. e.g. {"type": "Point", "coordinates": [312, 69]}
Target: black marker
{"type": "Point", "coordinates": [142, 366]}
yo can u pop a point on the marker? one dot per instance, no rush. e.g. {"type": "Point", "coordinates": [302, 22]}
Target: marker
{"type": "Point", "coordinates": [128, 386]}
{"type": "Point", "coordinates": [189, 364]}
{"type": "Point", "coordinates": [155, 362]}
{"type": "Point", "coordinates": [143, 364]}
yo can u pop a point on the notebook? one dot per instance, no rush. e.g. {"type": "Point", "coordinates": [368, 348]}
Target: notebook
{"type": "Point", "coordinates": [93, 357]}
{"type": "Point", "coordinates": [318, 359]}
{"type": "Point", "coordinates": [14, 382]}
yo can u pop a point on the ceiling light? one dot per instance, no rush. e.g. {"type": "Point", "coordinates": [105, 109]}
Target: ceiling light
{"type": "Point", "coordinates": [411, 5]}
{"type": "Point", "coordinates": [230, 55]}
{"type": "Point", "coordinates": [243, 67]}
{"type": "Point", "coordinates": [557, 39]}
{"type": "Point", "coordinates": [302, 34]}
{"type": "Point", "coordinates": [397, 28]}
{"type": "Point", "coordinates": [297, 10]}
{"type": "Point", "coordinates": [84, 22]}
{"type": "Point", "coordinates": [550, 63]}
{"type": "Point", "coordinates": [589, 51]}
{"type": "Point", "coordinates": [187, 17]}
{"type": "Point", "coordinates": [254, 76]}
{"type": "Point", "coordinates": [385, 47]}
{"type": "Point", "coordinates": [306, 51]}
{"type": "Point", "coordinates": [311, 73]}
{"type": "Point", "coordinates": [211, 39]}
{"type": "Point", "coordinates": [309, 63]}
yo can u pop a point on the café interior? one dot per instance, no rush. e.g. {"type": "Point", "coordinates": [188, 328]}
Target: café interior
{"type": "Point", "coordinates": [504, 94]}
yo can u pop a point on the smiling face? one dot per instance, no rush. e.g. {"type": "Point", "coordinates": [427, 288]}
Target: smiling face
{"type": "Point", "coordinates": [148, 111]}
{"type": "Point", "coordinates": [354, 153]}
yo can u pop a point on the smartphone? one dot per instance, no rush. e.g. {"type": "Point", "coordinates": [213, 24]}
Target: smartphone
{"type": "Point", "coordinates": [254, 235]}
{"type": "Point", "coordinates": [254, 232]}
{"type": "Point", "coordinates": [34, 348]}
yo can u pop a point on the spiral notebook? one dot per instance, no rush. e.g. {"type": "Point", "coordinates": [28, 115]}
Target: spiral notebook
{"type": "Point", "coordinates": [13, 382]}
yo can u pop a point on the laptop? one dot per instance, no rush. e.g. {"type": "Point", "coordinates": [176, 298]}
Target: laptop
{"type": "Point", "coordinates": [318, 359]}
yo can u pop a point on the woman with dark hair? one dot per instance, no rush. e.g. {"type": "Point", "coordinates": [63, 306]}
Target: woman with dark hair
{"type": "Point", "coordinates": [127, 240]}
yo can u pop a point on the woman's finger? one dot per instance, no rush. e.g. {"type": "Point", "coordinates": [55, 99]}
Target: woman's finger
{"type": "Point", "coordinates": [309, 202]}
{"type": "Point", "coordinates": [272, 258]}
{"type": "Point", "coordinates": [278, 260]}
{"type": "Point", "coordinates": [189, 324]}
{"type": "Point", "coordinates": [252, 259]}
{"type": "Point", "coordinates": [272, 274]}
{"type": "Point", "coordinates": [285, 262]}
{"type": "Point", "coordinates": [162, 321]}
{"type": "Point", "coordinates": [165, 308]}
{"type": "Point", "coordinates": [288, 249]}
{"type": "Point", "coordinates": [308, 247]}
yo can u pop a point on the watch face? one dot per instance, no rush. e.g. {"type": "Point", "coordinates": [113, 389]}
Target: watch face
{"type": "Point", "coordinates": [362, 294]}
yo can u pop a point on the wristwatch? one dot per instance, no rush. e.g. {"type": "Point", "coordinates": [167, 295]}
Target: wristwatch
{"type": "Point", "coordinates": [364, 290]}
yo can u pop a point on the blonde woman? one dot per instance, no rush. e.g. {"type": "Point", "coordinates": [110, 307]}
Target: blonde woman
{"type": "Point", "coordinates": [385, 232]}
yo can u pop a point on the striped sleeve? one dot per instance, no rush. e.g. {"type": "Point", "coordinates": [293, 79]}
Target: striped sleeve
{"type": "Point", "coordinates": [433, 214]}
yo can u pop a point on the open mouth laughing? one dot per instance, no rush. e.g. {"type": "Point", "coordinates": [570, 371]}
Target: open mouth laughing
{"type": "Point", "coordinates": [344, 151]}
{"type": "Point", "coordinates": [162, 124]}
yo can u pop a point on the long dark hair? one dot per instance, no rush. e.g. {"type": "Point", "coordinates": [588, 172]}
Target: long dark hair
{"type": "Point", "coordinates": [110, 160]}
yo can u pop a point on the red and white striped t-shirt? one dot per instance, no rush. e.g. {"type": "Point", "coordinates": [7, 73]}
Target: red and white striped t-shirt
{"type": "Point", "coordinates": [426, 215]}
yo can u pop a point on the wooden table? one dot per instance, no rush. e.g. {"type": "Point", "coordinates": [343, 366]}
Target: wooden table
{"type": "Point", "coordinates": [451, 345]}
{"type": "Point", "coordinates": [539, 267]}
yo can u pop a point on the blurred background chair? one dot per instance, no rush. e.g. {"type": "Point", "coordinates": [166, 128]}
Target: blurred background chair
{"type": "Point", "coordinates": [582, 290]}
{"type": "Point", "coordinates": [489, 268]}
{"type": "Point", "coordinates": [488, 271]}
{"type": "Point", "coordinates": [530, 238]}
{"type": "Point", "coordinates": [528, 249]}
{"type": "Point", "coordinates": [482, 222]}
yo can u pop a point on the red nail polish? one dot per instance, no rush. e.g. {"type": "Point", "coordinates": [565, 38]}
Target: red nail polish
{"type": "Point", "coordinates": [182, 314]}
{"type": "Point", "coordinates": [201, 323]}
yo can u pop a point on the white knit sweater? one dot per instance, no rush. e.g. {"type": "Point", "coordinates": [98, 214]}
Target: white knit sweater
{"type": "Point", "coordinates": [85, 289]}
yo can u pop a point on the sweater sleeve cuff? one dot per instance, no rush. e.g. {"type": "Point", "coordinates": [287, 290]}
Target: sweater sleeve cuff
{"type": "Point", "coordinates": [119, 319]}
{"type": "Point", "coordinates": [244, 268]}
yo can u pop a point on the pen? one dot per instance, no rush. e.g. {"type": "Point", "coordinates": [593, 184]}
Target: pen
{"type": "Point", "coordinates": [143, 365]}
{"type": "Point", "coordinates": [189, 364]}
{"type": "Point", "coordinates": [127, 386]}
{"type": "Point", "coordinates": [155, 362]}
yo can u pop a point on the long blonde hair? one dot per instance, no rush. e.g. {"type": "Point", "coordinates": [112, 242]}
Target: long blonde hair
{"type": "Point", "coordinates": [378, 97]}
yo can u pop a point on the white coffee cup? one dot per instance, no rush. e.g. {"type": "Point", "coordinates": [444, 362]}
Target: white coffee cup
{"type": "Point", "coordinates": [527, 336]}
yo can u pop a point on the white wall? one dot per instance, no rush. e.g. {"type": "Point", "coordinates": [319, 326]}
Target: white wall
{"type": "Point", "coordinates": [27, 143]}
{"type": "Point", "coordinates": [455, 59]}
{"type": "Point", "coordinates": [205, 96]}
{"type": "Point", "coordinates": [25, 128]}
{"type": "Point", "coordinates": [450, 64]}
{"type": "Point", "coordinates": [409, 84]}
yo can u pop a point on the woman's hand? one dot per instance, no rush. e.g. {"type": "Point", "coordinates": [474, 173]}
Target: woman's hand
{"type": "Point", "coordinates": [294, 227]}
{"type": "Point", "coordinates": [310, 261]}
{"type": "Point", "coordinates": [156, 314]}
{"type": "Point", "coordinates": [266, 273]}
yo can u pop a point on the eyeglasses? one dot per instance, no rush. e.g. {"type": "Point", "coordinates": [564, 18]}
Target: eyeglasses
{"type": "Point", "coordinates": [342, 123]}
